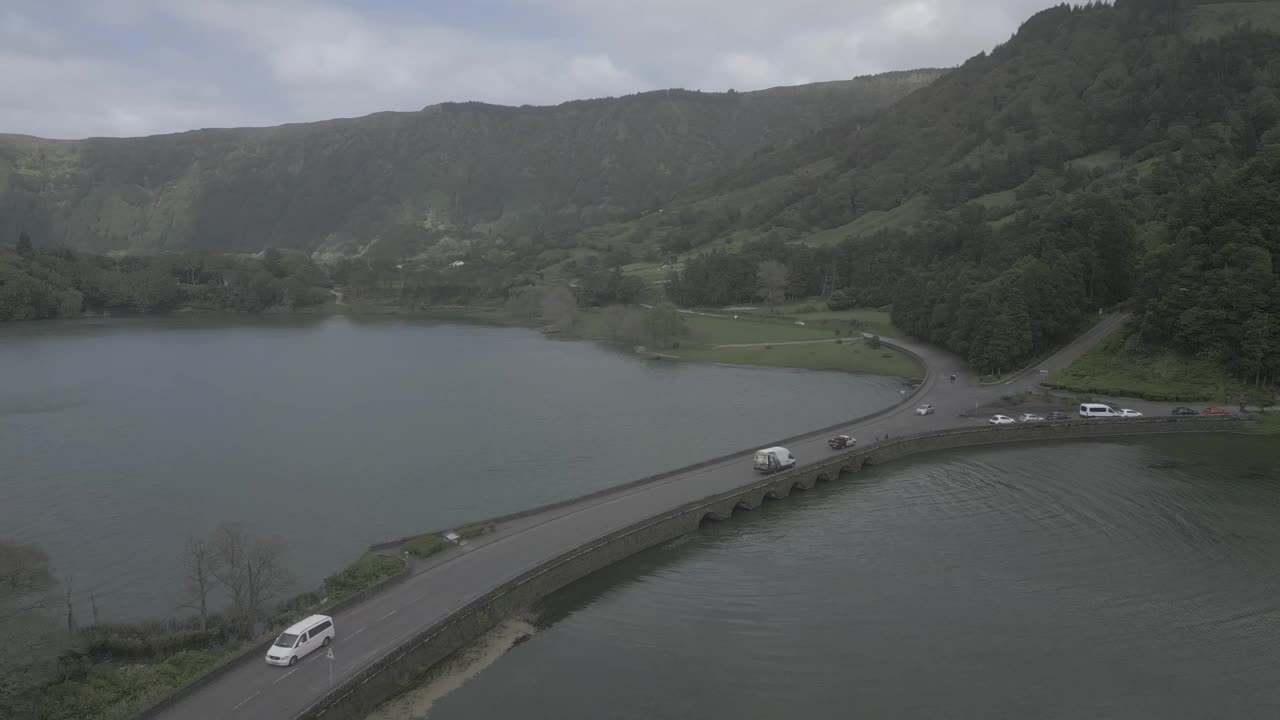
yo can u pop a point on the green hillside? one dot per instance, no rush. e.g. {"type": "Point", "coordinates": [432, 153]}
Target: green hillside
{"type": "Point", "coordinates": [446, 180]}
{"type": "Point", "coordinates": [1035, 184]}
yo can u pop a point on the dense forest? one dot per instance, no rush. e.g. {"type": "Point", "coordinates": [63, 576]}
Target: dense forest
{"type": "Point", "coordinates": [1020, 238]}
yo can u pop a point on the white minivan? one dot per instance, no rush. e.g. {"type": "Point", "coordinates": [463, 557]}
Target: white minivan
{"type": "Point", "coordinates": [301, 638]}
{"type": "Point", "coordinates": [1097, 410]}
{"type": "Point", "coordinates": [771, 460]}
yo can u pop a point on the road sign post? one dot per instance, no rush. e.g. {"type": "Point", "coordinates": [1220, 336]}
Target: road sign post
{"type": "Point", "coordinates": [330, 656]}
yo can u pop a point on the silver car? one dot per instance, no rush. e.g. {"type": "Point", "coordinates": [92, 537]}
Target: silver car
{"type": "Point", "coordinates": [924, 410]}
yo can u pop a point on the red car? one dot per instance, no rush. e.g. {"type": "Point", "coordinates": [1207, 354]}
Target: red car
{"type": "Point", "coordinates": [1216, 411]}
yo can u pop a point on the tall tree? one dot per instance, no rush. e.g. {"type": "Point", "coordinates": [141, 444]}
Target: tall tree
{"type": "Point", "coordinates": [771, 277]}
{"type": "Point", "coordinates": [664, 324]}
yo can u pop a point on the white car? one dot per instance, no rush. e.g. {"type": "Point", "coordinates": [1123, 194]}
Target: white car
{"type": "Point", "coordinates": [301, 638]}
{"type": "Point", "coordinates": [1127, 413]}
{"type": "Point", "coordinates": [924, 410]}
{"type": "Point", "coordinates": [1029, 418]}
{"type": "Point", "coordinates": [1001, 420]}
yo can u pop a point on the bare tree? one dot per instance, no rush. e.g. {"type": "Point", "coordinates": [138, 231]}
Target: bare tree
{"type": "Point", "coordinates": [624, 324]}
{"type": "Point", "coordinates": [30, 641]}
{"type": "Point", "coordinates": [199, 576]}
{"type": "Point", "coordinates": [73, 627]}
{"type": "Point", "coordinates": [559, 308]}
{"type": "Point", "coordinates": [251, 569]}
{"type": "Point", "coordinates": [772, 278]}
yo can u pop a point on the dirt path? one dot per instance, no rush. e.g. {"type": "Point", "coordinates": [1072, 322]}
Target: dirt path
{"type": "Point", "coordinates": [338, 297]}
{"type": "Point", "coordinates": [774, 344]}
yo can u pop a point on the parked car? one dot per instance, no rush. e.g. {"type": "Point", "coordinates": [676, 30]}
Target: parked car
{"type": "Point", "coordinates": [1030, 418]}
{"type": "Point", "coordinates": [1184, 411]}
{"type": "Point", "coordinates": [924, 410]}
{"type": "Point", "coordinates": [301, 638]}
{"type": "Point", "coordinates": [771, 460]}
{"type": "Point", "coordinates": [1127, 413]}
{"type": "Point", "coordinates": [1097, 410]}
{"type": "Point", "coordinates": [1057, 416]}
{"type": "Point", "coordinates": [1215, 411]}
{"type": "Point", "coordinates": [841, 442]}
{"type": "Point", "coordinates": [1001, 420]}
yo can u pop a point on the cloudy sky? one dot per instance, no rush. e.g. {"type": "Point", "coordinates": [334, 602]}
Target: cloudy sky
{"type": "Point", "coordinates": [75, 68]}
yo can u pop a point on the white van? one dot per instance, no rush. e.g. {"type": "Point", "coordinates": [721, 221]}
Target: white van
{"type": "Point", "coordinates": [1096, 410]}
{"type": "Point", "coordinates": [773, 459]}
{"type": "Point", "coordinates": [301, 638]}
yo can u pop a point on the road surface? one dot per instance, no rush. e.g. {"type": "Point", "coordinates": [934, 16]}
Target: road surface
{"type": "Point", "coordinates": [368, 630]}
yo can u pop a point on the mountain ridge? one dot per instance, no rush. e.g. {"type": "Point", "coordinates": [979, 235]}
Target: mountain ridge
{"type": "Point", "coordinates": [452, 171]}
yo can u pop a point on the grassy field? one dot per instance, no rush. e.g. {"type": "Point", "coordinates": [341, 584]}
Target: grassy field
{"type": "Point", "coordinates": [1270, 424]}
{"type": "Point", "coordinates": [759, 328]}
{"type": "Point", "coordinates": [1114, 369]}
{"type": "Point", "coordinates": [650, 273]}
{"type": "Point", "coordinates": [814, 313]}
{"type": "Point", "coordinates": [852, 355]}
{"type": "Point", "coordinates": [902, 216]}
{"type": "Point", "coordinates": [997, 200]}
{"type": "Point", "coordinates": [1097, 161]}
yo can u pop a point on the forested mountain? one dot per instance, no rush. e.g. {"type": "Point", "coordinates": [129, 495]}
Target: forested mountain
{"type": "Point", "coordinates": [446, 178]}
{"type": "Point", "coordinates": [1034, 185]}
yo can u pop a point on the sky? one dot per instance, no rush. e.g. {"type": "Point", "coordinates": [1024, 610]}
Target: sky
{"type": "Point", "coordinates": [80, 68]}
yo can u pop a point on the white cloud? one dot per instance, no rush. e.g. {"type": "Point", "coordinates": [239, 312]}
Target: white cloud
{"type": "Point", "coordinates": [123, 67]}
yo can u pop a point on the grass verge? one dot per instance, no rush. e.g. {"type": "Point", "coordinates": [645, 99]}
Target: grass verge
{"type": "Point", "coordinates": [425, 546]}
{"type": "Point", "coordinates": [1117, 368]}
{"type": "Point", "coordinates": [362, 574]}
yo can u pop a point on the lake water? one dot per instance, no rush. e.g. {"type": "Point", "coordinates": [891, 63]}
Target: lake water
{"type": "Point", "coordinates": [1102, 579]}
{"type": "Point", "coordinates": [119, 438]}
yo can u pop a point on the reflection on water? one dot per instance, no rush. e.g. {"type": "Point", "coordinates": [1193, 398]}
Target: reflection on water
{"type": "Point", "coordinates": [1063, 581]}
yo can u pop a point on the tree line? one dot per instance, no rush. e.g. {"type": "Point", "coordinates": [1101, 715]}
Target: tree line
{"type": "Point", "coordinates": [37, 283]}
{"type": "Point", "coordinates": [232, 581]}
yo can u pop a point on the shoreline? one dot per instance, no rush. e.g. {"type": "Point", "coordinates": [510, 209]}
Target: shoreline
{"type": "Point", "coordinates": [492, 316]}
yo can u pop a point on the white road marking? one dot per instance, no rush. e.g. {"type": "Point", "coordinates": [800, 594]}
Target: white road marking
{"type": "Point", "coordinates": [242, 702]}
{"type": "Point", "coordinates": [357, 632]}
{"type": "Point", "coordinates": [393, 612]}
{"type": "Point", "coordinates": [273, 682]}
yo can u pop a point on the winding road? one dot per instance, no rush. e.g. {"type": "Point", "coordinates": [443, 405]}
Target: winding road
{"type": "Point", "coordinates": [436, 589]}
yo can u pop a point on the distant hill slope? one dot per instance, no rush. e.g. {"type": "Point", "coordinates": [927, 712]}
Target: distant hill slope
{"type": "Point", "coordinates": [1082, 95]}
{"type": "Point", "coordinates": [450, 173]}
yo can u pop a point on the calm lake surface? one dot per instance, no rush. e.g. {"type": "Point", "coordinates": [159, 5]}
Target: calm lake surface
{"type": "Point", "coordinates": [120, 438]}
{"type": "Point", "coordinates": [1104, 580]}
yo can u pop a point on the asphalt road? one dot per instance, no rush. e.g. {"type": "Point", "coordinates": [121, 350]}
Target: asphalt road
{"type": "Point", "coordinates": [368, 630]}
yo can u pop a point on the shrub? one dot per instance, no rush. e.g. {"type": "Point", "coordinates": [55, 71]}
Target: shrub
{"type": "Point", "coordinates": [476, 530]}
{"type": "Point", "coordinates": [426, 545]}
{"type": "Point", "coordinates": [361, 575]}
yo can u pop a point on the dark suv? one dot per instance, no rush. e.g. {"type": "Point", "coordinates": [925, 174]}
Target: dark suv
{"type": "Point", "coordinates": [1184, 411]}
{"type": "Point", "coordinates": [1055, 415]}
